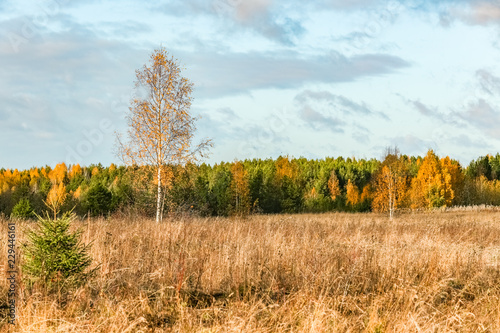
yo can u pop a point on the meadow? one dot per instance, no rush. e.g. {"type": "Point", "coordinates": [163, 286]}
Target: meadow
{"type": "Point", "coordinates": [334, 272]}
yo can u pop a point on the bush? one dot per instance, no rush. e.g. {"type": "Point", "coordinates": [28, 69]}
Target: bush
{"type": "Point", "coordinates": [22, 209]}
{"type": "Point", "coordinates": [54, 257]}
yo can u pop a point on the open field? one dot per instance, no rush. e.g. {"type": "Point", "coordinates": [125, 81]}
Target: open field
{"type": "Point", "coordinates": [426, 272]}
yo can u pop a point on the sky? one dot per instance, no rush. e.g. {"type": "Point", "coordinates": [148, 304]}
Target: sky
{"type": "Point", "coordinates": [310, 79]}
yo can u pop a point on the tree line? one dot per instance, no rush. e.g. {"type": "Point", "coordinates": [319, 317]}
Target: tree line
{"type": "Point", "coordinates": [283, 185]}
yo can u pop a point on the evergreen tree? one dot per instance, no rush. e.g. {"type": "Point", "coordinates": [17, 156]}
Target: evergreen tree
{"type": "Point", "coordinates": [54, 257]}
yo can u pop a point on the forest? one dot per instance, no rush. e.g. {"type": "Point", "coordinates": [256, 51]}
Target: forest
{"type": "Point", "coordinates": [258, 186]}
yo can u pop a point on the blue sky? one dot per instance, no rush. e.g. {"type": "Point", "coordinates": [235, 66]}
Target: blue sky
{"type": "Point", "coordinates": [313, 79]}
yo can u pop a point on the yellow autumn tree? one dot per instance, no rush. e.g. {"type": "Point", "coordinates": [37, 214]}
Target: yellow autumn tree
{"type": "Point", "coordinates": [240, 189]}
{"type": "Point", "coordinates": [366, 194]}
{"type": "Point", "coordinates": [57, 174]}
{"type": "Point", "coordinates": [390, 184]}
{"type": "Point", "coordinates": [75, 170]}
{"type": "Point", "coordinates": [45, 172]}
{"type": "Point", "coordinates": [352, 194]}
{"type": "Point", "coordinates": [333, 185]}
{"type": "Point", "coordinates": [6, 181]}
{"type": "Point", "coordinates": [34, 176]}
{"type": "Point", "coordinates": [15, 178]}
{"type": "Point", "coordinates": [432, 187]}
{"type": "Point", "coordinates": [285, 168]}
{"type": "Point", "coordinates": [160, 125]}
{"type": "Point", "coordinates": [456, 179]}
{"type": "Point", "coordinates": [95, 171]}
{"type": "Point", "coordinates": [55, 198]}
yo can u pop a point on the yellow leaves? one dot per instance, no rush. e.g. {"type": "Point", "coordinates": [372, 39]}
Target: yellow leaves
{"type": "Point", "coordinates": [77, 193]}
{"type": "Point", "coordinates": [352, 194]}
{"type": "Point", "coordinates": [285, 168]}
{"type": "Point", "coordinates": [16, 176]}
{"type": "Point", "coordinates": [333, 185]}
{"type": "Point", "coordinates": [34, 174]}
{"type": "Point", "coordinates": [112, 167]}
{"type": "Point", "coordinates": [95, 171]}
{"type": "Point", "coordinates": [9, 180]}
{"type": "Point", "coordinates": [57, 175]}
{"type": "Point", "coordinates": [454, 178]}
{"type": "Point", "coordinates": [160, 126]}
{"type": "Point", "coordinates": [44, 172]}
{"type": "Point", "coordinates": [366, 195]}
{"type": "Point", "coordinates": [75, 170]}
{"type": "Point", "coordinates": [435, 182]}
{"type": "Point", "coordinates": [240, 189]}
{"type": "Point", "coordinates": [166, 176]}
{"type": "Point", "coordinates": [313, 194]}
{"type": "Point", "coordinates": [56, 197]}
{"type": "Point", "coordinates": [390, 187]}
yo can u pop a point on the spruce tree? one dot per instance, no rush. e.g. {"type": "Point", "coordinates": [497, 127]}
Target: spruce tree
{"type": "Point", "coordinates": [54, 257]}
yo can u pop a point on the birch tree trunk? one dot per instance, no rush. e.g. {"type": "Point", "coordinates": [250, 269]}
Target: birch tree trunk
{"type": "Point", "coordinates": [158, 200]}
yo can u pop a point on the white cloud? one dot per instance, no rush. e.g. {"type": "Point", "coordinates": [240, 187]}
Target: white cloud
{"type": "Point", "coordinates": [484, 12]}
{"type": "Point", "coordinates": [484, 117]}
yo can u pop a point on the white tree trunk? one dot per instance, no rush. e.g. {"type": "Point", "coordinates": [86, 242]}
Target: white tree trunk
{"type": "Point", "coordinates": [391, 194]}
{"type": "Point", "coordinates": [158, 200]}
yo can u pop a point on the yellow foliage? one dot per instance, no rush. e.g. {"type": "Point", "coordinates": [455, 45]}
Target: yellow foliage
{"type": "Point", "coordinates": [160, 126]}
{"type": "Point", "coordinates": [167, 176]}
{"type": "Point", "coordinates": [352, 193]}
{"type": "Point", "coordinates": [77, 193]}
{"type": "Point", "coordinates": [15, 177]}
{"type": "Point", "coordinates": [44, 172]}
{"type": "Point", "coordinates": [313, 193]}
{"type": "Point", "coordinates": [240, 189]}
{"type": "Point", "coordinates": [75, 170]}
{"type": "Point", "coordinates": [456, 179]}
{"type": "Point", "coordinates": [95, 171]}
{"type": "Point", "coordinates": [333, 185]}
{"type": "Point", "coordinates": [390, 188]}
{"type": "Point", "coordinates": [34, 174]}
{"type": "Point", "coordinates": [433, 186]}
{"type": "Point", "coordinates": [56, 197]}
{"type": "Point", "coordinates": [57, 175]}
{"type": "Point", "coordinates": [285, 168]}
{"type": "Point", "coordinates": [366, 194]}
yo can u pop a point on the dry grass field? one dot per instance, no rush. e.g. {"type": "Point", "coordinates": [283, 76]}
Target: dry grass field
{"type": "Point", "coordinates": [426, 272]}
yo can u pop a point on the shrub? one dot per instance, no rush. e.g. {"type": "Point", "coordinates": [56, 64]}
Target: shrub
{"type": "Point", "coordinates": [22, 209]}
{"type": "Point", "coordinates": [54, 257]}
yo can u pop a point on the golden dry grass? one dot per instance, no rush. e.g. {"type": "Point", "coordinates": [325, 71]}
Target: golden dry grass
{"type": "Point", "coordinates": [426, 272]}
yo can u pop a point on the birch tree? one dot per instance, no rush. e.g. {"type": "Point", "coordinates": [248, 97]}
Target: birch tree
{"type": "Point", "coordinates": [390, 184]}
{"type": "Point", "coordinates": [161, 127]}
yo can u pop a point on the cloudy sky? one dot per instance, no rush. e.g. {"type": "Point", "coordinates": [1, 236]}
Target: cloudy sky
{"type": "Point", "coordinates": [300, 78]}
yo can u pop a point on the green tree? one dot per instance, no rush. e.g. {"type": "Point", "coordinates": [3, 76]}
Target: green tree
{"type": "Point", "coordinates": [98, 200]}
{"type": "Point", "coordinates": [54, 257]}
{"type": "Point", "coordinates": [22, 209]}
